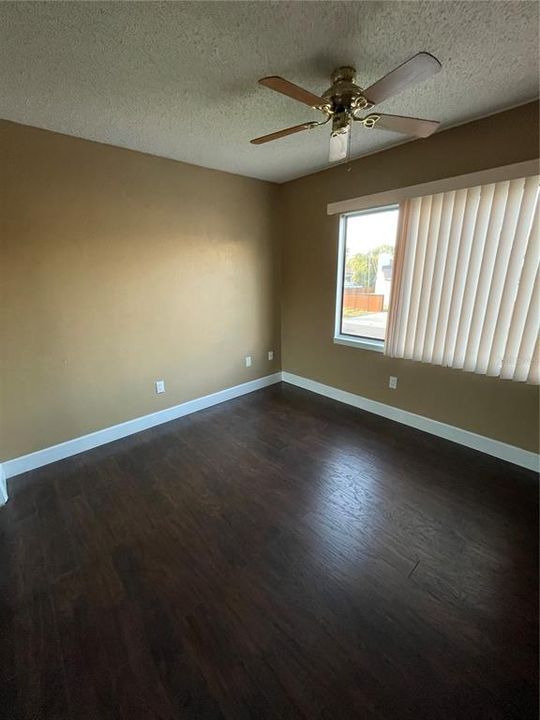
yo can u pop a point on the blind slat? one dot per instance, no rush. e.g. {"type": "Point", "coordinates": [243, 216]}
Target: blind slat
{"type": "Point", "coordinates": [406, 279]}
{"type": "Point", "coordinates": [503, 249]}
{"type": "Point", "coordinates": [529, 337]}
{"type": "Point", "coordinates": [485, 274]}
{"type": "Point", "coordinates": [473, 273]}
{"type": "Point", "coordinates": [456, 226]}
{"type": "Point", "coordinates": [524, 296]}
{"type": "Point", "coordinates": [464, 252]}
{"type": "Point", "coordinates": [417, 273]}
{"type": "Point", "coordinates": [438, 274]}
{"type": "Point", "coordinates": [511, 280]}
{"type": "Point", "coordinates": [427, 277]}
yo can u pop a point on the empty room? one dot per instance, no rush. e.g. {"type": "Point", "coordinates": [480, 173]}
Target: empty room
{"type": "Point", "coordinates": [269, 360]}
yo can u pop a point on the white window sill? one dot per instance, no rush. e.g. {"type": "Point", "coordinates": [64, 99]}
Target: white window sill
{"type": "Point", "coordinates": [362, 343]}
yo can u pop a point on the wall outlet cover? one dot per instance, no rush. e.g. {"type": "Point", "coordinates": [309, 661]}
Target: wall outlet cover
{"type": "Point", "coordinates": [249, 360]}
{"type": "Point", "coordinates": [160, 386]}
{"type": "Point", "coordinates": [270, 354]}
{"type": "Point", "coordinates": [392, 382]}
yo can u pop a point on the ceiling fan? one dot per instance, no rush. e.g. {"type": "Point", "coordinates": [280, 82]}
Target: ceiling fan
{"type": "Point", "coordinates": [343, 100]}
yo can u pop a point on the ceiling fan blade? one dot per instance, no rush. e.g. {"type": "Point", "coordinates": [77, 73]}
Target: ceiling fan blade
{"type": "Point", "coordinates": [339, 144]}
{"type": "Point", "coordinates": [419, 67]}
{"type": "Point", "coordinates": [399, 123]}
{"type": "Point", "coordinates": [274, 82]}
{"type": "Point", "coordinates": [283, 133]}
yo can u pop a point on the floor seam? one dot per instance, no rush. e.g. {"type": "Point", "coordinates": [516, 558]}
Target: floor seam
{"type": "Point", "coordinates": [413, 569]}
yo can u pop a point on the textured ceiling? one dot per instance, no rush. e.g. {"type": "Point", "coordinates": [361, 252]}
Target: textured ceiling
{"type": "Point", "coordinates": [179, 79]}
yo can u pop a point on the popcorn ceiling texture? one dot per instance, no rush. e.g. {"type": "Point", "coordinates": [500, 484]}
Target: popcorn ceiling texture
{"type": "Point", "coordinates": [179, 79]}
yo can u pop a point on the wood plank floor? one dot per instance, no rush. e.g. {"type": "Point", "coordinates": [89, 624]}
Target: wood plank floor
{"type": "Point", "coordinates": [277, 556]}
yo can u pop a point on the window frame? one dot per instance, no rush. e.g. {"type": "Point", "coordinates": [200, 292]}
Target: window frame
{"type": "Point", "coordinates": [340, 338]}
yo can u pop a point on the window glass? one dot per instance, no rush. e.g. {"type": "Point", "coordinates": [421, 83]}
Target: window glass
{"type": "Point", "coordinates": [369, 243]}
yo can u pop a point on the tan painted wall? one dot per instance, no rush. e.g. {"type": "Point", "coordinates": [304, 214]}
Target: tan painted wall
{"type": "Point", "coordinates": [504, 410]}
{"type": "Point", "coordinates": [119, 268]}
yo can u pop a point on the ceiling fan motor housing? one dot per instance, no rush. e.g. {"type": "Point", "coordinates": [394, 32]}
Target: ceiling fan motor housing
{"type": "Point", "coordinates": [344, 98]}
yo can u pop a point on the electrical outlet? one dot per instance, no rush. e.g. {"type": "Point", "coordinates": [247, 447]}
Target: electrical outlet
{"type": "Point", "coordinates": [160, 386]}
{"type": "Point", "coordinates": [249, 360]}
{"type": "Point", "coordinates": [270, 354]}
{"type": "Point", "coordinates": [392, 382]}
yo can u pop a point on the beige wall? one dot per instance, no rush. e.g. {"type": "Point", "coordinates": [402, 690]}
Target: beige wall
{"type": "Point", "coordinates": [503, 410]}
{"type": "Point", "coordinates": [119, 268]}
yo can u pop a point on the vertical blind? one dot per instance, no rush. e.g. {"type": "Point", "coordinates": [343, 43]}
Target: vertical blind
{"type": "Point", "coordinates": [466, 292]}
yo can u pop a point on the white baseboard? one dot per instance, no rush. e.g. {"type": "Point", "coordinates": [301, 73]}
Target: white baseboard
{"type": "Point", "coordinates": [22, 464]}
{"type": "Point", "coordinates": [3, 486]}
{"type": "Point", "coordinates": [510, 453]}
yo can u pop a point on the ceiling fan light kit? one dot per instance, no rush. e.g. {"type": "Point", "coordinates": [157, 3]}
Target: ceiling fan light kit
{"type": "Point", "coordinates": [344, 99]}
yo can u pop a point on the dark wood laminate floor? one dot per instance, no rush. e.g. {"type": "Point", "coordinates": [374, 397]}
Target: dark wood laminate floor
{"type": "Point", "coordinates": [277, 556]}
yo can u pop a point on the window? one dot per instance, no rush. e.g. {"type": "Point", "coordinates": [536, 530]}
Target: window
{"type": "Point", "coordinates": [464, 271]}
{"type": "Point", "coordinates": [367, 245]}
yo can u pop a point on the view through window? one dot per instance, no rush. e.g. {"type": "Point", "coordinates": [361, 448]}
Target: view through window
{"type": "Point", "coordinates": [370, 239]}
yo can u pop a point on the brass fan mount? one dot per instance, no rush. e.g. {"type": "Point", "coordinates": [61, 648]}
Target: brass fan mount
{"type": "Point", "coordinates": [344, 93]}
{"type": "Point", "coordinates": [344, 97]}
